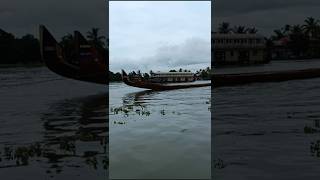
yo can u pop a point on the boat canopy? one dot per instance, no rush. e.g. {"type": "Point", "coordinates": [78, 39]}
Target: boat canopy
{"type": "Point", "coordinates": [172, 74]}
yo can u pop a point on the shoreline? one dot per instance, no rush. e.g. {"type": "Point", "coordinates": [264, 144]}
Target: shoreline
{"type": "Point", "coordinates": [27, 65]}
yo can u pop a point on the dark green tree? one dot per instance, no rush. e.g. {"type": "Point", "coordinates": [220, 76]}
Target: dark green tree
{"type": "Point", "coordinates": [239, 30]}
{"type": "Point", "coordinates": [310, 27]}
{"type": "Point", "coordinates": [224, 28]}
{"type": "Point", "coordinates": [95, 39]}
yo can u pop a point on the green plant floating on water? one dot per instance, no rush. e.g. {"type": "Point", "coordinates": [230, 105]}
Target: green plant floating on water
{"type": "Point", "coordinates": [24, 155]}
{"type": "Point", "coordinates": [67, 146]}
{"type": "Point", "coordinates": [87, 136]}
{"type": "Point", "coordinates": [162, 112]}
{"type": "Point", "coordinates": [218, 164]}
{"type": "Point", "coordinates": [127, 110]}
{"type": "Point", "coordinates": [92, 161]}
{"type": "Point", "coordinates": [119, 122]}
{"type": "Point", "coordinates": [315, 148]}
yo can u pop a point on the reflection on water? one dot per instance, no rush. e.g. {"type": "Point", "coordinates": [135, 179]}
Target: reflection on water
{"type": "Point", "coordinates": [159, 134]}
{"type": "Point", "coordinates": [267, 130]}
{"type": "Point", "coordinates": [75, 135]}
{"type": "Point", "coordinates": [52, 129]}
{"type": "Point", "coordinates": [133, 103]}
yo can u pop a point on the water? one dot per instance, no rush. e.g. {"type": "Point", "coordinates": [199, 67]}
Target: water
{"type": "Point", "coordinates": [158, 135]}
{"type": "Point", "coordinates": [272, 66]}
{"type": "Point", "coordinates": [51, 127]}
{"type": "Point", "coordinates": [56, 128]}
{"type": "Point", "coordinates": [268, 130]}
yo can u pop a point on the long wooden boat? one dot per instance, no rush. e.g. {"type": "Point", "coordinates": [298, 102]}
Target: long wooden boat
{"type": "Point", "coordinates": [272, 76]}
{"type": "Point", "coordinates": [89, 65]}
{"type": "Point", "coordinates": [159, 86]}
{"type": "Point", "coordinates": [85, 65]}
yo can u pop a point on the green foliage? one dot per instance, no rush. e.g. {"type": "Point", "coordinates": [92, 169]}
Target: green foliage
{"type": "Point", "coordinates": [19, 50]}
{"type": "Point", "coordinates": [225, 28]}
{"type": "Point", "coordinates": [27, 48]}
{"type": "Point", "coordinates": [95, 39]}
{"type": "Point", "coordinates": [113, 77]}
{"type": "Point", "coordinates": [304, 40]}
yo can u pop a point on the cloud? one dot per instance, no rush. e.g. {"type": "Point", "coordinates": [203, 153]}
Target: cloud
{"type": "Point", "coordinates": [159, 34]}
{"type": "Point", "coordinates": [192, 51]}
{"type": "Point", "coordinates": [193, 54]}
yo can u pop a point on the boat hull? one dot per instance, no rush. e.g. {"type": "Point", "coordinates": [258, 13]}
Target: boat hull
{"type": "Point", "coordinates": [158, 86]}
{"type": "Point", "coordinates": [277, 76]}
{"type": "Point", "coordinates": [91, 67]}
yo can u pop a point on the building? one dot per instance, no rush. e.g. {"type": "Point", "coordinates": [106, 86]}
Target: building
{"type": "Point", "coordinates": [280, 49]}
{"type": "Point", "coordinates": [172, 77]}
{"type": "Point", "coordinates": [238, 48]}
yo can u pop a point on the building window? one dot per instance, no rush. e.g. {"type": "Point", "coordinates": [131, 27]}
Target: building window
{"type": "Point", "coordinates": [231, 53]}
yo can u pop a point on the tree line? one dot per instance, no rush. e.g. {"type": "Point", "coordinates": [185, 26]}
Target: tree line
{"type": "Point", "coordinates": [26, 50]}
{"type": "Point", "coordinates": [19, 50]}
{"type": "Point", "coordinates": [301, 39]}
{"type": "Point", "coordinates": [225, 28]}
{"type": "Point", "coordinates": [204, 74]}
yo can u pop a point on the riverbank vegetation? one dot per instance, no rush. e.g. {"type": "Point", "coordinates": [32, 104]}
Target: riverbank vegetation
{"type": "Point", "coordinates": [203, 74]}
{"type": "Point", "coordinates": [14, 50]}
{"type": "Point", "coordinates": [296, 41]}
{"type": "Point", "coordinates": [25, 50]}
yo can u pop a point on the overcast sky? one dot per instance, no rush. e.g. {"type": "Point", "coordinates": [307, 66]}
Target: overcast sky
{"type": "Point", "coordinates": [159, 35]}
{"type": "Point", "coordinates": [266, 15]}
{"type": "Point", "coordinates": [60, 16]}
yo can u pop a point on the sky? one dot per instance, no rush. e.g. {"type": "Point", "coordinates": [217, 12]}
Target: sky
{"type": "Point", "coordinates": [265, 15]}
{"type": "Point", "coordinates": [60, 16]}
{"type": "Point", "coordinates": [159, 35]}
{"type": "Point", "coordinates": [174, 27]}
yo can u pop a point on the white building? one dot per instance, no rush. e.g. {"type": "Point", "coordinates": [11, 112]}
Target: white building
{"type": "Point", "coordinates": [172, 77]}
{"type": "Point", "coordinates": [238, 48]}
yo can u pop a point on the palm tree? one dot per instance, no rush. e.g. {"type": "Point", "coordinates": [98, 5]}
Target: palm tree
{"type": "Point", "coordinates": [299, 40]}
{"type": "Point", "coordinates": [95, 38]}
{"type": "Point", "coordinates": [297, 30]}
{"type": "Point", "coordinates": [283, 32]}
{"type": "Point", "coordinates": [252, 30]}
{"type": "Point", "coordinates": [286, 29]}
{"type": "Point", "coordinates": [224, 28]}
{"type": "Point", "coordinates": [311, 26]}
{"type": "Point", "coordinates": [278, 34]}
{"type": "Point", "coordinates": [239, 30]}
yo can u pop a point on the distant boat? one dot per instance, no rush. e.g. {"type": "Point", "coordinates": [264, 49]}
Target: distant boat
{"type": "Point", "coordinates": [139, 83]}
{"type": "Point", "coordinates": [85, 65]}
